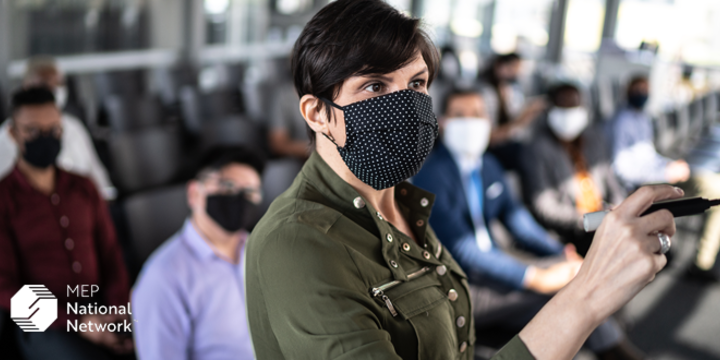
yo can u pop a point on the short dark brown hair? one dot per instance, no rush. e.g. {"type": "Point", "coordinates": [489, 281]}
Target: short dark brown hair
{"type": "Point", "coordinates": [356, 37]}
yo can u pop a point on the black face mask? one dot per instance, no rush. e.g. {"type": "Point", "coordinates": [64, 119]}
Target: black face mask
{"type": "Point", "coordinates": [231, 212]}
{"type": "Point", "coordinates": [638, 100]}
{"type": "Point", "coordinates": [388, 137]}
{"type": "Point", "coordinates": [42, 151]}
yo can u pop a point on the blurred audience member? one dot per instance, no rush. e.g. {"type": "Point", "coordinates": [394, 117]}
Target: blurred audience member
{"type": "Point", "coordinates": [510, 113]}
{"type": "Point", "coordinates": [78, 154]}
{"type": "Point", "coordinates": [636, 162]}
{"type": "Point", "coordinates": [569, 172]}
{"type": "Point", "coordinates": [189, 300]}
{"type": "Point", "coordinates": [55, 230]}
{"type": "Point", "coordinates": [288, 131]}
{"type": "Point", "coordinates": [471, 192]}
{"type": "Point", "coordinates": [448, 76]}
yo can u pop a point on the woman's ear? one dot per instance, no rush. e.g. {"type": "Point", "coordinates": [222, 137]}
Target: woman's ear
{"type": "Point", "coordinates": [314, 116]}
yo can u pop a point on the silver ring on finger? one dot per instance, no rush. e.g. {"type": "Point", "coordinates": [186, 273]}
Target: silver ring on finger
{"type": "Point", "coordinates": [665, 242]}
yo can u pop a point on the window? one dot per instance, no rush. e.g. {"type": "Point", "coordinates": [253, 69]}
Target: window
{"type": "Point", "coordinates": [64, 27]}
{"type": "Point", "coordinates": [686, 30]}
{"type": "Point", "coordinates": [584, 24]}
{"type": "Point", "coordinates": [521, 25]}
{"type": "Point", "coordinates": [292, 7]}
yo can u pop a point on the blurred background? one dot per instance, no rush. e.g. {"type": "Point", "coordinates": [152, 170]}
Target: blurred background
{"type": "Point", "coordinates": [156, 81]}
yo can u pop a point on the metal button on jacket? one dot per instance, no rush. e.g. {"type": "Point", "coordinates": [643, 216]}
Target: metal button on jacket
{"type": "Point", "coordinates": [424, 202]}
{"type": "Point", "coordinates": [389, 237]}
{"type": "Point", "coordinates": [426, 255]}
{"type": "Point", "coordinates": [359, 203]}
{"type": "Point", "coordinates": [463, 346]}
{"type": "Point", "coordinates": [460, 322]}
{"type": "Point", "coordinates": [69, 244]}
{"type": "Point", "coordinates": [452, 295]}
{"type": "Point", "coordinates": [406, 247]}
{"type": "Point", "coordinates": [441, 270]}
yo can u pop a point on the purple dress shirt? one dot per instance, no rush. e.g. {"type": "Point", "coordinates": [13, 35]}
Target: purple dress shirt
{"type": "Point", "coordinates": [189, 303]}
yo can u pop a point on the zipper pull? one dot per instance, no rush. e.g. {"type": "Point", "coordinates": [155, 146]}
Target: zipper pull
{"type": "Point", "coordinates": [389, 305]}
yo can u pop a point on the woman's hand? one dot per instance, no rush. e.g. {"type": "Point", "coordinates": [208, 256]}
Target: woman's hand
{"type": "Point", "coordinates": [622, 260]}
{"type": "Point", "coordinates": [624, 256]}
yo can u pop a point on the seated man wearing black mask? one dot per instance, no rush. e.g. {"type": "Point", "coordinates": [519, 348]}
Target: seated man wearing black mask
{"type": "Point", "coordinates": [55, 230]}
{"type": "Point", "coordinates": [189, 299]}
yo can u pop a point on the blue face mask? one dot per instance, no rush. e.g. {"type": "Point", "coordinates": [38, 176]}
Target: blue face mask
{"type": "Point", "coordinates": [638, 100]}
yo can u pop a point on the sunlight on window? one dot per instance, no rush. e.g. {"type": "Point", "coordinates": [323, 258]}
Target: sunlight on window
{"type": "Point", "coordinates": [583, 27]}
{"type": "Point", "coordinates": [517, 21]}
{"type": "Point", "coordinates": [685, 30]}
{"type": "Point", "coordinates": [216, 7]}
{"type": "Point", "coordinates": [289, 7]}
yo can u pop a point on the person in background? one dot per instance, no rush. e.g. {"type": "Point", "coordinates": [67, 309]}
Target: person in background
{"type": "Point", "coordinates": [471, 192]}
{"type": "Point", "coordinates": [569, 170]}
{"type": "Point", "coordinates": [78, 154]}
{"type": "Point", "coordinates": [189, 300]}
{"type": "Point", "coordinates": [448, 76]}
{"type": "Point", "coordinates": [636, 162]}
{"type": "Point", "coordinates": [287, 135]}
{"type": "Point", "coordinates": [55, 230]}
{"type": "Point", "coordinates": [507, 108]}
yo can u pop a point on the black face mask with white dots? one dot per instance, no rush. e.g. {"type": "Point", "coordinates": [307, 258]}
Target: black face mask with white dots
{"type": "Point", "coordinates": [388, 137]}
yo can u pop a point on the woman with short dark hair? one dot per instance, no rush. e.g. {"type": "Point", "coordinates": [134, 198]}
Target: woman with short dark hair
{"type": "Point", "coordinates": [344, 266]}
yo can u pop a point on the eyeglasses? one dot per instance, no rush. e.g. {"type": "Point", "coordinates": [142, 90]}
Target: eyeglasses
{"type": "Point", "coordinates": [30, 133]}
{"type": "Point", "coordinates": [219, 186]}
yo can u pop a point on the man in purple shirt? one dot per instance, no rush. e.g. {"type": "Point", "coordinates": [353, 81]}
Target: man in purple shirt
{"type": "Point", "coordinates": [189, 301]}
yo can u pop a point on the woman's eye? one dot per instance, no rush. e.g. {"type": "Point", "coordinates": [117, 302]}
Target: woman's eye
{"type": "Point", "coordinates": [417, 84]}
{"type": "Point", "coordinates": [374, 87]}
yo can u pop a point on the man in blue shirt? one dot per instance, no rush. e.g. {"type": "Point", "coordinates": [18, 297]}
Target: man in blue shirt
{"type": "Point", "coordinates": [635, 160]}
{"type": "Point", "coordinates": [471, 192]}
{"type": "Point", "coordinates": [189, 301]}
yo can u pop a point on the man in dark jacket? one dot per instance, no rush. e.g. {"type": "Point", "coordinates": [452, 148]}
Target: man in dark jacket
{"type": "Point", "coordinates": [471, 192]}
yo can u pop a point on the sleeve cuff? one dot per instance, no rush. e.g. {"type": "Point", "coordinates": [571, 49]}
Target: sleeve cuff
{"type": "Point", "coordinates": [514, 350]}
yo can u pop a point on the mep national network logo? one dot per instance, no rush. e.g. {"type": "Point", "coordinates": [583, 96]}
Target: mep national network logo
{"type": "Point", "coordinates": [33, 308]}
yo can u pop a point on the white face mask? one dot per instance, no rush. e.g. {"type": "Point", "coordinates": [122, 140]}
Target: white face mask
{"type": "Point", "coordinates": [568, 123]}
{"type": "Point", "coordinates": [61, 96]}
{"type": "Point", "coordinates": [468, 137]}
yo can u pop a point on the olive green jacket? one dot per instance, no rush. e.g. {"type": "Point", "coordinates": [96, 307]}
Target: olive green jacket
{"type": "Point", "coordinates": [328, 278]}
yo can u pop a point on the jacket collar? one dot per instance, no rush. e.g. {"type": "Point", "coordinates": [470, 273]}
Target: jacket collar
{"type": "Point", "coordinates": [62, 181]}
{"type": "Point", "coordinates": [415, 203]}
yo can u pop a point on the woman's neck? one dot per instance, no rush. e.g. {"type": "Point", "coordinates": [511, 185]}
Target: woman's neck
{"type": "Point", "coordinates": [381, 200]}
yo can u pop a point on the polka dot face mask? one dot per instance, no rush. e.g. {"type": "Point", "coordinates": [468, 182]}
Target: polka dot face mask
{"type": "Point", "coordinates": [388, 137]}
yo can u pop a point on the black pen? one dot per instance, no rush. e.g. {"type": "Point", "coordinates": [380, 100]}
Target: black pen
{"type": "Point", "coordinates": [680, 207]}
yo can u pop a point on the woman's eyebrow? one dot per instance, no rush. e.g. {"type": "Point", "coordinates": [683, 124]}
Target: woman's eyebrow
{"type": "Point", "coordinates": [378, 76]}
{"type": "Point", "coordinates": [421, 72]}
